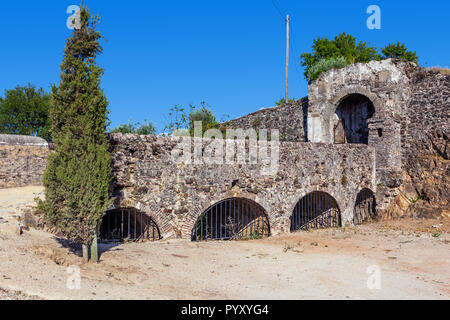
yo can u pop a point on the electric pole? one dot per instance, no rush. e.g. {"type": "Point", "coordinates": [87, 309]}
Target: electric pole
{"type": "Point", "coordinates": [287, 58]}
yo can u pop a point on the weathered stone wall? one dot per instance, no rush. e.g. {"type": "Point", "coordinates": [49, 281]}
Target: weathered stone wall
{"type": "Point", "coordinates": [175, 195]}
{"type": "Point", "coordinates": [387, 85]}
{"type": "Point", "coordinates": [22, 160]}
{"type": "Point", "coordinates": [406, 161]}
{"type": "Point", "coordinates": [425, 190]}
{"type": "Point", "coordinates": [290, 119]}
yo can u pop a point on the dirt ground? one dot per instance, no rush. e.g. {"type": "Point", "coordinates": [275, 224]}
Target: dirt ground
{"type": "Point", "coordinates": [412, 257]}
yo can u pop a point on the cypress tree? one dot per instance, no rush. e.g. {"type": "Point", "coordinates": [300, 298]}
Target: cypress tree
{"type": "Point", "coordinates": [78, 173]}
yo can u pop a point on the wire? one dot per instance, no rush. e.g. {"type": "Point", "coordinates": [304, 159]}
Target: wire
{"type": "Point", "coordinates": [277, 7]}
{"type": "Point", "coordinates": [293, 47]}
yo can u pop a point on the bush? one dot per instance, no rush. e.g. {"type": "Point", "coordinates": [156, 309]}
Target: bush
{"type": "Point", "coordinates": [146, 128]}
{"type": "Point", "coordinates": [399, 51]}
{"type": "Point", "coordinates": [324, 65]}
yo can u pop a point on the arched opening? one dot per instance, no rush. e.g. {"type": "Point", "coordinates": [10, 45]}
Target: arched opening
{"type": "Point", "coordinates": [353, 113]}
{"type": "Point", "coordinates": [316, 210]}
{"type": "Point", "coordinates": [232, 219]}
{"type": "Point", "coordinates": [365, 207]}
{"type": "Point", "coordinates": [128, 224]}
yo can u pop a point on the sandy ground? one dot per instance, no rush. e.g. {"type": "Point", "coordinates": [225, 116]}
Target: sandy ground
{"type": "Point", "coordinates": [412, 257]}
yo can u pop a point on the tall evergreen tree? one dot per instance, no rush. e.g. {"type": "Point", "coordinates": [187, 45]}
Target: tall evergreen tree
{"type": "Point", "coordinates": [78, 173]}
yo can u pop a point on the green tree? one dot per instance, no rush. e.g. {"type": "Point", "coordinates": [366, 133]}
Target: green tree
{"type": "Point", "coordinates": [205, 115]}
{"type": "Point", "coordinates": [343, 45]}
{"type": "Point", "coordinates": [180, 118]}
{"type": "Point", "coordinates": [145, 128]}
{"type": "Point", "coordinates": [24, 111]}
{"type": "Point", "coordinates": [78, 173]}
{"type": "Point", "coordinates": [282, 101]}
{"type": "Point", "coordinates": [399, 51]}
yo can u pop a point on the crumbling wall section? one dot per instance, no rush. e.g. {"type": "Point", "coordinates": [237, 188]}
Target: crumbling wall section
{"type": "Point", "coordinates": [22, 160]}
{"type": "Point", "coordinates": [289, 119]}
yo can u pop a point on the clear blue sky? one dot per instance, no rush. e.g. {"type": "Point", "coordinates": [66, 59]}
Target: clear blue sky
{"type": "Point", "coordinates": [228, 53]}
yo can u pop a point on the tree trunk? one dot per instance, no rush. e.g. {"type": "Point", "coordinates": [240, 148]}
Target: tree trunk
{"type": "Point", "coordinates": [85, 253]}
{"type": "Point", "coordinates": [94, 249]}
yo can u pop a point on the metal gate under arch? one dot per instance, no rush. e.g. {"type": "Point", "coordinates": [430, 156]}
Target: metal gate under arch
{"type": "Point", "coordinates": [232, 219]}
{"type": "Point", "coordinates": [128, 224]}
{"type": "Point", "coordinates": [365, 207]}
{"type": "Point", "coordinates": [316, 210]}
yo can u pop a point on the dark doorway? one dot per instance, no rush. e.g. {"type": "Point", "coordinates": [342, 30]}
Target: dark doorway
{"type": "Point", "coordinates": [353, 112]}
{"type": "Point", "coordinates": [365, 207]}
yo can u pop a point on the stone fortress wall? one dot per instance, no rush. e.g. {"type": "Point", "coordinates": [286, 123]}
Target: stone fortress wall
{"type": "Point", "coordinates": [175, 195]}
{"type": "Point", "coordinates": [22, 160]}
{"type": "Point", "coordinates": [381, 126]}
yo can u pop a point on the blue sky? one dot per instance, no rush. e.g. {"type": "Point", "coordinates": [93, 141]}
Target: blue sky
{"type": "Point", "coordinates": [227, 53]}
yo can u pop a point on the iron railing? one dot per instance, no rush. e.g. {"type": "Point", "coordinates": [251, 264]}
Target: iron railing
{"type": "Point", "coordinates": [128, 224]}
{"type": "Point", "coordinates": [365, 207]}
{"type": "Point", "coordinates": [232, 219]}
{"type": "Point", "coordinates": [316, 210]}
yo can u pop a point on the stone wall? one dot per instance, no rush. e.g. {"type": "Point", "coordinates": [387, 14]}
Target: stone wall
{"type": "Point", "coordinates": [175, 195]}
{"type": "Point", "coordinates": [22, 160]}
{"type": "Point", "coordinates": [425, 145]}
{"type": "Point", "coordinates": [405, 162]}
{"type": "Point", "coordinates": [387, 85]}
{"type": "Point", "coordinates": [290, 119]}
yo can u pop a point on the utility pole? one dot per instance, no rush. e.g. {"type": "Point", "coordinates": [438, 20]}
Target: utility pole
{"type": "Point", "coordinates": [287, 58]}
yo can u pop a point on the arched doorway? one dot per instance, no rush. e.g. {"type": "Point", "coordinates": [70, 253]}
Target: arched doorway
{"type": "Point", "coordinates": [365, 207]}
{"type": "Point", "coordinates": [316, 210]}
{"type": "Point", "coordinates": [353, 113]}
{"type": "Point", "coordinates": [128, 224]}
{"type": "Point", "coordinates": [232, 219]}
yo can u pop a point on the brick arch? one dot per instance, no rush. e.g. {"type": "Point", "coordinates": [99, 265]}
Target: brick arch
{"type": "Point", "coordinates": [292, 206]}
{"type": "Point", "coordinates": [192, 216]}
{"type": "Point", "coordinates": [162, 220]}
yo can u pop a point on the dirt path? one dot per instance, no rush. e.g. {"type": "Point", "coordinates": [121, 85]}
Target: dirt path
{"type": "Point", "coordinates": [324, 264]}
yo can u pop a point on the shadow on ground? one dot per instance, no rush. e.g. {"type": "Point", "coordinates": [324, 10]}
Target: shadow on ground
{"type": "Point", "coordinates": [77, 250]}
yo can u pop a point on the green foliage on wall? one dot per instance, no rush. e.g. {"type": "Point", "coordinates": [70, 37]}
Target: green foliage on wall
{"type": "Point", "coordinates": [324, 65]}
{"type": "Point", "coordinates": [145, 128]}
{"type": "Point", "coordinates": [327, 54]}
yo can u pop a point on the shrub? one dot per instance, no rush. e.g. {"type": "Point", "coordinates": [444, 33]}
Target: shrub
{"type": "Point", "coordinates": [324, 65]}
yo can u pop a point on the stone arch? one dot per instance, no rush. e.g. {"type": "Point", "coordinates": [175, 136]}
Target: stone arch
{"type": "Point", "coordinates": [336, 127]}
{"type": "Point", "coordinates": [162, 220]}
{"type": "Point", "coordinates": [315, 210]}
{"type": "Point", "coordinates": [192, 216]}
{"type": "Point", "coordinates": [353, 113]}
{"type": "Point", "coordinates": [342, 94]}
{"type": "Point", "coordinates": [365, 206]}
